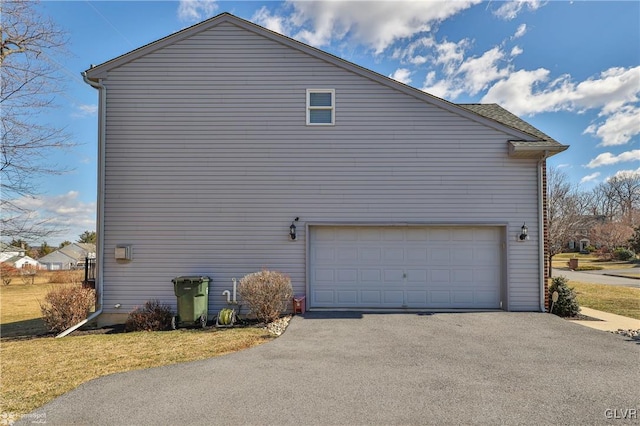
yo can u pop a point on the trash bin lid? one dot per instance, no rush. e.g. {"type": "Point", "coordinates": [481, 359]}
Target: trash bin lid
{"type": "Point", "coordinates": [190, 279]}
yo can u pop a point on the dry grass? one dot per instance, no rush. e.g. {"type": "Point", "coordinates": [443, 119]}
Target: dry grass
{"type": "Point", "coordinates": [37, 370]}
{"type": "Point", "coordinates": [623, 301]}
{"type": "Point", "coordinates": [20, 308]}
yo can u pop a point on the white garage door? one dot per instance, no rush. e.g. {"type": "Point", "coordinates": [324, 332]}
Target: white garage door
{"type": "Point", "coordinates": [404, 267]}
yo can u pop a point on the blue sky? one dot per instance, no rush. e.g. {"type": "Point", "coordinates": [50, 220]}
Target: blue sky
{"type": "Point", "coordinates": [572, 69]}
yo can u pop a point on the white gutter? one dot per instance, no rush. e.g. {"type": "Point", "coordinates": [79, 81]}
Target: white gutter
{"type": "Point", "coordinates": [541, 222]}
{"type": "Point", "coordinates": [102, 132]}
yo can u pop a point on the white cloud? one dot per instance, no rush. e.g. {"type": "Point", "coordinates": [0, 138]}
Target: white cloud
{"type": "Point", "coordinates": [510, 9]}
{"type": "Point", "coordinates": [470, 75]}
{"type": "Point", "coordinates": [618, 128]}
{"type": "Point", "coordinates": [517, 50]}
{"type": "Point", "coordinates": [483, 70]}
{"type": "Point", "coordinates": [614, 88]}
{"type": "Point", "coordinates": [64, 212]}
{"type": "Point", "coordinates": [589, 178]}
{"type": "Point", "coordinates": [373, 24]}
{"type": "Point", "coordinates": [522, 30]}
{"type": "Point", "coordinates": [402, 75]}
{"type": "Point", "coordinates": [268, 20]}
{"type": "Point", "coordinates": [607, 158]}
{"type": "Point", "coordinates": [193, 11]}
{"type": "Point", "coordinates": [614, 92]}
{"type": "Point", "coordinates": [440, 87]}
{"type": "Point", "coordinates": [85, 111]}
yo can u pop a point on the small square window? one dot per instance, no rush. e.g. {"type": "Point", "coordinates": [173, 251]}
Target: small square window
{"type": "Point", "coordinates": [320, 107]}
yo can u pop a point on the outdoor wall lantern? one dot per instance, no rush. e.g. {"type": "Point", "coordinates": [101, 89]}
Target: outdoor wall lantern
{"type": "Point", "coordinates": [292, 229]}
{"type": "Point", "coordinates": [524, 232]}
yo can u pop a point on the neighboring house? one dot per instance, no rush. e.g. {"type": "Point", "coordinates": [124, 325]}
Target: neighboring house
{"type": "Point", "coordinates": [23, 262]}
{"type": "Point", "coordinates": [71, 256]}
{"type": "Point", "coordinates": [79, 252]}
{"type": "Point", "coordinates": [58, 261]}
{"type": "Point", "coordinates": [215, 140]}
{"type": "Point", "coordinates": [8, 251]}
{"type": "Point", "coordinates": [583, 226]}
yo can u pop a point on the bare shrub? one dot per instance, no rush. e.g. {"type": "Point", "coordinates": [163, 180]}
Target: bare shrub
{"type": "Point", "coordinates": [267, 293]}
{"type": "Point", "coordinates": [7, 272]}
{"type": "Point", "coordinates": [28, 274]}
{"type": "Point", "coordinates": [66, 277]}
{"type": "Point", "coordinates": [153, 316]}
{"type": "Point", "coordinates": [66, 306]}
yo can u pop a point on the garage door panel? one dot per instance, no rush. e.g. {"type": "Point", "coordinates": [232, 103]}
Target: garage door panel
{"type": "Point", "coordinates": [416, 255]}
{"type": "Point", "coordinates": [463, 275]}
{"type": "Point", "coordinates": [370, 276]}
{"type": "Point", "coordinates": [324, 253]}
{"type": "Point", "coordinates": [463, 297]}
{"type": "Point", "coordinates": [440, 298]}
{"type": "Point", "coordinates": [394, 298]}
{"type": "Point", "coordinates": [416, 276]}
{"type": "Point", "coordinates": [370, 255]}
{"type": "Point", "coordinates": [347, 297]}
{"type": "Point", "coordinates": [405, 267]}
{"type": "Point", "coordinates": [440, 276]}
{"type": "Point", "coordinates": [373, 298]}
{"type": "Point", "coordinates": [393, 276]}
{"type": "Point", "coordinates": [324, 276]}
{"type": "Point", "coordinates": [394, 255]}
{"type": "Point", "coordinates": [369, 234]}
{"type": "Point", "coordinates": [462, 255]}
{"type": "Point", "coordinates": [440, 256]}
{"type": "Point", "coordinates": [347, 276]}
{"type": "Point", "coordinates": [486, 255]}
{"type": "Point", "coordinates": [322, 297]}
{"type": "Point", "coordinates": [416, 299]}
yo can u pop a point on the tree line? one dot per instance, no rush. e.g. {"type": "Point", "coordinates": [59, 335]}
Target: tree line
{"type": "Point", "coordinates": [608, 216]}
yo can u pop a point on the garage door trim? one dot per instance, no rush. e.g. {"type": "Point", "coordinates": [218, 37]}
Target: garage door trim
{"type": "Point", "coordinates": [501, 226]}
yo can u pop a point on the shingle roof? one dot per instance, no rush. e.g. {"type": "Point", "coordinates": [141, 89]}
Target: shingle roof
{"type": "Point", "coordinates": [497, 113]}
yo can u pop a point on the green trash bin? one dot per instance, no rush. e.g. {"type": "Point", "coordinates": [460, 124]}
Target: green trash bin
{"type": "Point", "coordinates": [193, 301]}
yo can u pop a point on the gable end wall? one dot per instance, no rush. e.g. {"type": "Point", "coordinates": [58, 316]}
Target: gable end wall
{"type": "Point", "coordinates": [208, 160]}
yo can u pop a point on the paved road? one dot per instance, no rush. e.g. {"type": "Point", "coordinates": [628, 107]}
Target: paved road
{"type": "Point", "coordinates": [345, 368]}
{"type": "Point", "coordinates": [598, 277]}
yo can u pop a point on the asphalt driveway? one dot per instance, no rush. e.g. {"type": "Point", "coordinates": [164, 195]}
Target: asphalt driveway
{"type": "Point", "coordinates": [344, 368]}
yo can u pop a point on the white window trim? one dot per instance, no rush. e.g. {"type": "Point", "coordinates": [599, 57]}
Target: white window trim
{"type": "Point", "coordinates": [332, 107]}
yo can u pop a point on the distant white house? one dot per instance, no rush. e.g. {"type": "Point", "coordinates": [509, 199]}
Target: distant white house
{"type": "Point", "coordinates": [7, 252]}
{"type": "Point", "coordinates": [23, 262]}
{"type": "Point", "coordinates": [71, 256]}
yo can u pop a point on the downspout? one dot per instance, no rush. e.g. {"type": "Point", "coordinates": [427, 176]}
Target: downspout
{"type": "Point", "coordinates": [102, 132]}
{"type": "Point", "coordinates": [541, 225]}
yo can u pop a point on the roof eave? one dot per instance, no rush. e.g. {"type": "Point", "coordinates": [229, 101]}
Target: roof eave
{"type": "Point", "coordinates": [535, 149]}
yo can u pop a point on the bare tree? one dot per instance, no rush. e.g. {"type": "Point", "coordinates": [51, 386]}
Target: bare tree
{"type": "Point", "coordinates": [625, 194]}
{"type": "Point", "coordinates": [563, 210]}
{"type": "Point", "coordinates": [29, 82]}
{"type": "Point", "coordinates": [610, 236]}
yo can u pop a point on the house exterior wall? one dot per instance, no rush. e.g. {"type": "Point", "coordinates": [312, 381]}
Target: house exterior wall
{"type": "Point", "coordinates": [208, 159]}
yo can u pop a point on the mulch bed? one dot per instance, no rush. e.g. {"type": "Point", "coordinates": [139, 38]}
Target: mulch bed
{"type": "Point", "coordinates": [581, 317]}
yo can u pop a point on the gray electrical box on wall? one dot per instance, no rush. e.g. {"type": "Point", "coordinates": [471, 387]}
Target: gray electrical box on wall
{"type": "Point", "coordinates": [123, 252]}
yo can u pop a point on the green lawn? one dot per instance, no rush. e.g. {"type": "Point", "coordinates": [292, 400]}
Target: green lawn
{"type": "Point", "coordinates": [623, 301]}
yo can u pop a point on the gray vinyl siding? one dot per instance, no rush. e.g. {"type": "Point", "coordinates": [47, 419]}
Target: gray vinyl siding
{"type": "Point", "coordinates": [208, 160]}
